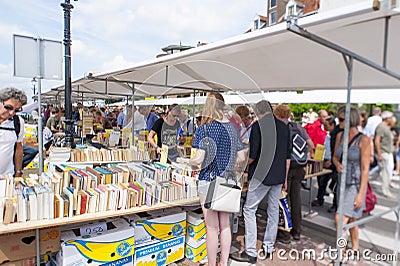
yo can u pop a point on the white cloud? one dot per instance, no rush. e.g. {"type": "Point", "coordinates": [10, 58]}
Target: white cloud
{"type": "Point", "coordinates": [118, 62]}
{"type": "Point", "coordinates": [79, 48]}
{"type": "Point", "coordinates": [110, 34]}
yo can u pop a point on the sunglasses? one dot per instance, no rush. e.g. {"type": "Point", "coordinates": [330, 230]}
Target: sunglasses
{"type": "Point", "coordinates": [341, 119]}
{"type": "Point", "coordinates": [10, 108]}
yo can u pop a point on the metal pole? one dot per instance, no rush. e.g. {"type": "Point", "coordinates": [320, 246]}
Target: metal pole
{"type": "Point", "coordinates": [37, 247]}
{"type": "Point", "coordinates": [34, 92]}
{"type": "Point", "coordinates": [38, 78]}
{"type": "Point", "coordinates": [40, 141]}
{"type": "Point", "coordinates": [194, 108]}
{"type": "Point", "coordinates": [396, 237]}
{"type": "Point", "coordinates": [342, 180]}
{"type": "Point", "coordinates": [298, 30]}
{"type": "Point", "coordinates": [133, 115]}
{"type": "Point", "coordinates": [69, 135]}
{"type": "Point", "coordinates": [40, 127]}
{"type": "Point", "coordinates": [385, 47]}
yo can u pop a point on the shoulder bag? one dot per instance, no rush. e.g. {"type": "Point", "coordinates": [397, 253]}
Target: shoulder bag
{"type": "Point", "coordinates": [224, 193]}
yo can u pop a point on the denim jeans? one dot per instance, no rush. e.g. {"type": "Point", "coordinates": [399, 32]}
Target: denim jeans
{"type": "Point", "coordinates": [254, 197]}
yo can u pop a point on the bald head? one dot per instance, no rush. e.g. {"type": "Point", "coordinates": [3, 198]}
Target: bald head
{"type": "Point", "coordinates": [322, 115]}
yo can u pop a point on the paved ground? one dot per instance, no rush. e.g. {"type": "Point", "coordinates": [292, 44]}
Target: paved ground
{"type": "Point", "coordinates": [295, 253]}
{"type": "Point", "coordinates": [318, 234]}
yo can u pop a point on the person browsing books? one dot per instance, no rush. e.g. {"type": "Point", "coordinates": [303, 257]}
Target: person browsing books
{"type": "Point", "coordinates": [11, 150]}
{"type": "Point", "coordinates": [224, 150]}
{"type": "Point", "coordinates": [166, 129]}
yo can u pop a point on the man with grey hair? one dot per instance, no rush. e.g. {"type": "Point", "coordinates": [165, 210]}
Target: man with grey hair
{"type": "Point", "coordinates": [11, 131]}
{"type": "Point", "coordinates": [383, 149]}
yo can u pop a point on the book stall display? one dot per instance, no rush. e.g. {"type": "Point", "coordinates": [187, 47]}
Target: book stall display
{"type": "Point", "coordinates": [124, 207]}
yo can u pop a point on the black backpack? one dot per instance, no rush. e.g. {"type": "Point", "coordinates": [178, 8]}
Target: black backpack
{"type": "Point", "coordinates": [299, 154]}
{"type": "Point", "coordinates": [17, 125]}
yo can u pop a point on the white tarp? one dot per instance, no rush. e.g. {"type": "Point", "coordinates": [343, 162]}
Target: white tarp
{"type": "Point", "coordinates": [271, 59]}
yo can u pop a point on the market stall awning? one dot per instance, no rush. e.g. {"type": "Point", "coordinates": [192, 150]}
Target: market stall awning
{"type": "Point", "coordinates": [270, 59]}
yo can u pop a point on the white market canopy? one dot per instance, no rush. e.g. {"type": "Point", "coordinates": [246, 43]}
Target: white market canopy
{"type": "Point", "coordinates": [383, 96]}
{"type": "Point", "coordinates": [270, 59]}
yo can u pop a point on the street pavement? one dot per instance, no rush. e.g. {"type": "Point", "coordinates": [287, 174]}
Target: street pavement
{"type": "Point", "coordinates": [318, 240]}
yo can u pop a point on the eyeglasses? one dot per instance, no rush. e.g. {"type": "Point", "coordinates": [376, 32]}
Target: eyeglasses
{"type": "Point", "coordinates": [10, 108]}
{"type": "Point", "coordinates": [341, 119]}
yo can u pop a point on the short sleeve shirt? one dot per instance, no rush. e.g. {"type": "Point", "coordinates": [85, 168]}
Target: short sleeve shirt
{"type": "Point", "coordinates": [151, 119]}
{"type": "Point", "coordinates": [167, 135]}
{"type": "Point", "coordinates": [8, 138]}
{"type": "Point", "coordinates": [386, 135]}
{"type": "Point", "coordinates": [223, 141]}
{"type": "Point", "coordinates": [269, 148]}
{"type": "Point", "coordinates": [53, 122]}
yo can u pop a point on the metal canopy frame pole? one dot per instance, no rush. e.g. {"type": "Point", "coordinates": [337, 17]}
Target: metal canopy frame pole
{"type": "Point", "coordinates": [194, 108]}
{"type": "Point", "coordinates": [133, 114]}
{"type": "Point", "coordinates": [145, 83]}
{"type": "Point", "coordinates": [340, 234]}
{"type": "Point", "coordinates": [38, 78]}
{"type": "Point", "coordinates": [291, 26]}
{"type": "Point", "coordinates": [386, 41]}
{"type": "Point", "coordinates": [40, 138]}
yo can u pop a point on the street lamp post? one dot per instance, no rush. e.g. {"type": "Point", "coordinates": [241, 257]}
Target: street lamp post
{"type": "Point", "coordinates": [33, 82]}
{"type": "Point", "coordinates": [69, 134]}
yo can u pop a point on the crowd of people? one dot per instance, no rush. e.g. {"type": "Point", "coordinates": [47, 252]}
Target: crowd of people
{"type": "Point", "coordinates": [271, 170]}
{"type": "Point", "coordinates": [238, 140]}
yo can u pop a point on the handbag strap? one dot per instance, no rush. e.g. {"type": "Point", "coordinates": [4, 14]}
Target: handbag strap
{"type": "Point", "coordinates": [208, 152]}
{"type": "Point", "coordinates": [351, 142]}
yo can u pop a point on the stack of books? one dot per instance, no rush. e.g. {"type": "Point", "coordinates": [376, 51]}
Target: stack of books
{"type": "Point", "coordinates": [59, 154]}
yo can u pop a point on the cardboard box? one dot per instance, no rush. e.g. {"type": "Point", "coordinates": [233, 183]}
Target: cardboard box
{"type": "Point", "coordinates": [46, 260]}
{"type": "Point", "coordinates": [106, 242]}
{"type": "Point", "coordinates": [196, 250]}
{"type": "Point", "coordinates": [161, 253]}
{"type": "Point", "coordinates": [22, 245]}
{"type": "Point", "coordinates": [196, 227]}
{"type": "Point", "coordinates": [150, 229]}
{"type": "Point", "coordinates": [24, 262]}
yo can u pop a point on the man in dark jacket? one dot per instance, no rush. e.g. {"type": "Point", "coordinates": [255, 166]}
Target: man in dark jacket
{"type": "Point", "coordinates": [269, 160]}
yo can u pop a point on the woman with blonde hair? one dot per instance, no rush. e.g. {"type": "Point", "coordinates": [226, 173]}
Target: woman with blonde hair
{"type": "Point", "coordinates": [218, 143]}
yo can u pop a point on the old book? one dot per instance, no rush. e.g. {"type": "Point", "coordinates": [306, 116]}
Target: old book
{"type": "Point", "coordinates": [84, 201]}
{"type": "Point", "coordinates": [57, 206]}
{"type": "Point", "coordinates": [9, 211]}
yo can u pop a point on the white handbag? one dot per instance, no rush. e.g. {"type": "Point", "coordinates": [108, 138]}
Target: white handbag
{"type": "Point", "coordinates": [223, 193]}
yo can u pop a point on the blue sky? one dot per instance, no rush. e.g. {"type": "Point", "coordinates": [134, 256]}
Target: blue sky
{"type": "Point", "coordinates": [111, 34]}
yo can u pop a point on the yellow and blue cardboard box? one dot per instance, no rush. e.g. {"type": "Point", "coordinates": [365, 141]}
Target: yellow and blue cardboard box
{"type": "Point", "coordinates": [161, 253]}
{"type": "Point", "coordinates": [196, 227]}
{"type": "Point", "coordinates": [106, 242]}
{"type": "Point", "coordinates": [196, 250]}
{"type": "Point", "coordinates": [153, 229]}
